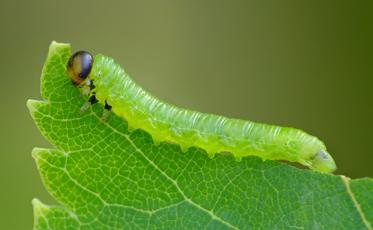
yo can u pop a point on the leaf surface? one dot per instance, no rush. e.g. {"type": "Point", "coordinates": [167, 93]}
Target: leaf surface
{"type": "Point", "coordinates": [106, 177]}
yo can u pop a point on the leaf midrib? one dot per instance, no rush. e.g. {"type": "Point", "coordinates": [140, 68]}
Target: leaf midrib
{"type": "Point", "coordinates": [174, 182]}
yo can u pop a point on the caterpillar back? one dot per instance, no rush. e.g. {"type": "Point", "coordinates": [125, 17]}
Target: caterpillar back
{"type": "Point", "coordinates": [108, 84]}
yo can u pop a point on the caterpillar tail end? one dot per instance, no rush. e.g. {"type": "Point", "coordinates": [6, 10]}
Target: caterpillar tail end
{"type": "Point", "coordinates": [323, 162]}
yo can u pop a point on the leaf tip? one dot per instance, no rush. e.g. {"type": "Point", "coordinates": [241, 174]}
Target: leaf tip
{"type": "Point", "coordinates": [36, 153]}
{"type": "Point", "coordinates": [55, 46]}
{"type": "Point", "coordinates": [32, 105]}
{"type": "Point", "coordinates": [39, 207]}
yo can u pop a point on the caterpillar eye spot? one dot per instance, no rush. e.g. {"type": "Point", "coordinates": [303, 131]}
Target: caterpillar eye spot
{"type": "Point", "coordinates": [79, 66]}
{"type": "Point", "coordinates": [323, 155]}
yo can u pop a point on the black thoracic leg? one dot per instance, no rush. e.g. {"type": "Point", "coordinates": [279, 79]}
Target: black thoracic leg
{"type": "Point", "coordinates": [87, 87]}
{"type": "Point", "coordinates": [107, 106]}
{"type": "Point", "coordinates": [91, 101]}
{"type": "Point", "coordinates": [91, 85]}
{"type": "Point", "coordinates": [106, 112]}
{"type": "Point", "coordinates": [86, 91]}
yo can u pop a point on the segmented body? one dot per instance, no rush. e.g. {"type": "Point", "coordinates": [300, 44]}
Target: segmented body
{"type": "Point", "coordinates": [212, 133]}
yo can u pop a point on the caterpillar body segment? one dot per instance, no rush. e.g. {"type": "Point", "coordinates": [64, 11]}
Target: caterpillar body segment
{"type": "Point", "coordinates": [110, 85]}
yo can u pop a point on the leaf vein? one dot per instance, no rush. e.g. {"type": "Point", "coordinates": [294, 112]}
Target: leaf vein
{"type": "Point", "coordinates": [346, 182]}
{"type": "Point", "coordinates": [212, 215]}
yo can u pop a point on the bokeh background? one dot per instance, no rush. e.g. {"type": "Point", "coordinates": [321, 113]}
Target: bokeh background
{"type": "Point", "coordinates": [306, 64]}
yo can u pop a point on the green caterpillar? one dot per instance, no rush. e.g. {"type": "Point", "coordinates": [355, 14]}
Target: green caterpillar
{"type": "Point", "coordinates": [107, 83]}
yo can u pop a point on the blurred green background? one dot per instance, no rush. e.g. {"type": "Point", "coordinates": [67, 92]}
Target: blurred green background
{"type": "Point", "coordinates": [306, 64]}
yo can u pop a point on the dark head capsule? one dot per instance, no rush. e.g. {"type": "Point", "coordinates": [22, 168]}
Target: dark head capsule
{"type": "Point", "coordinates": [79, 66]}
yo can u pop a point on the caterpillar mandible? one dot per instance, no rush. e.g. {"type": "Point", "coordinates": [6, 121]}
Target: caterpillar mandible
{"type": "Point", "coordinates": [107, 83]}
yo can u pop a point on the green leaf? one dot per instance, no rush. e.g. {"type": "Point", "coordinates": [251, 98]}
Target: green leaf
{"type": "Point", "coordinates": [105, 177]}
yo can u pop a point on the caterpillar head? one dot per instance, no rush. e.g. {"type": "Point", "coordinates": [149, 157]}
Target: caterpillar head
{"type": "Point", "coordinates": [323, 162]}
{"type": "Point", "coordinates": [79, 66]}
